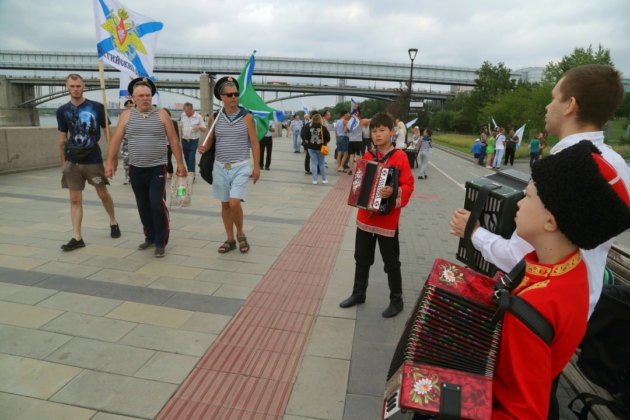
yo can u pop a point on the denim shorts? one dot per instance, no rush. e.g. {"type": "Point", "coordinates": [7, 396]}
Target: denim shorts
{"type": "Point", "coordinates": [230, 183]}
{"type": "Point", "coordinates": [342, 143]}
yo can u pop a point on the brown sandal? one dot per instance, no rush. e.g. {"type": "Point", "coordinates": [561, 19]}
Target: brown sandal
{"type": "Point", "coordinates": [243, 245]}
{"type": "Point", "coordinates": [227, 246]}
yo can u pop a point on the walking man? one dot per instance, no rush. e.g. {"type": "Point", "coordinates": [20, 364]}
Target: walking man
{"type": "Point", "coordinates": [147, 129]}
{"type": "Point", "coordinates": [233, 136]}
{"type": "Point", "coordinates": [79, 123]}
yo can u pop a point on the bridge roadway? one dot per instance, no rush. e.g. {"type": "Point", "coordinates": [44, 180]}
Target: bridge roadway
{"type": "Point", "coordinates": [110, 329]}
{"type": "Point", "coordinates": [265, 66]}
{"type": "Point", "coordinates": [296, 90]}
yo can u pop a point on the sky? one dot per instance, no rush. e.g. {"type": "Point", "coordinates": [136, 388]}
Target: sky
{"type": "Point", "coordinates": [462, 33]}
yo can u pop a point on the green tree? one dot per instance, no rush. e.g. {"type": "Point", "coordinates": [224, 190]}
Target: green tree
{"type": "Point", "coordinates": [554, 71]}
{"type": "Point", "coordinates": [492, 81]}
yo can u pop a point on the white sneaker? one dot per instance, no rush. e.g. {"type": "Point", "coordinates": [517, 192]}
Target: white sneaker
{"type": "Point", "coordinates": [314, 182]}
{"type": "Point", "coordinates": [325, 181]}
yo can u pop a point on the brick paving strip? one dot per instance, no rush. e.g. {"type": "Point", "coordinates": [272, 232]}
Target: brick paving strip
{"type": "Point", "coordinates": [251, 368]}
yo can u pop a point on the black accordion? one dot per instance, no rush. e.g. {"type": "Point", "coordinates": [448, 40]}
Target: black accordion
{"type": "Point", "coordinates": [492, 201]}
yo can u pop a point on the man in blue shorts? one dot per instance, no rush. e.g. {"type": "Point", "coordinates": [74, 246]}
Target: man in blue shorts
{"type": "Point", "coordinates": [234, 135]}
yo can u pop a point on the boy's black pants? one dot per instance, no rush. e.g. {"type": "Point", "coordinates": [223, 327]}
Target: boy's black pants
{"type": "Point", "coordinates": [364, 249]}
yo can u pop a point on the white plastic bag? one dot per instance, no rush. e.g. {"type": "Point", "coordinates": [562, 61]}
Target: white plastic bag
{"type": "Point", "coordinates": [181, 190]}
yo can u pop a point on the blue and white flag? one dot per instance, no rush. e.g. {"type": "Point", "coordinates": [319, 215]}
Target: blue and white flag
{"type": "Point", "coordinates": [126, 40]}
{"type": "Point", "coordinates": [305, 108]}
{"type": "Point", "coordinates": [354, 105]}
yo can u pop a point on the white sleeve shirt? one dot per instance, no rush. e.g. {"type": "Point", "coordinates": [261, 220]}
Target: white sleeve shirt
{"type": "Point", "coordinates": [505, 253]}
{"type": "Point", "coordinates": [188, 123]}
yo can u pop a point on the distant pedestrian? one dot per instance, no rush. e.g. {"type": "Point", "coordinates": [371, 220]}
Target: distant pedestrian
{"type": "Point", "coordinates": [425, 146]}
{"type": "Point", "coordinates": [315, 137]}
{"type": "Point", "coordinates": [341, 133]}
{"type": "Point", "coordinates": [401, 133]}
{"type": "Point", "coordinates": [79, 123]}
{"type": "Point", "coordinates": [490, 149]}
{"type": "Point", "coordinates": [483, 137]}
{"type": "Point", "coordinates": [295, 127]}
{"type": "Point", "coordinates": [147, 130]}
{"type": "Point", "coordinates": [499, 148]}
{"type": "Point", "coordinates": [125, 150]}
{"type": "Point", "coordinates": [535, 148]}
{"type": "Point", "coordinates": [476, 149]}
{"type": "Point", "coordinates": [266, 144]}
{"type": "Point", "coordinates": [511, 143]}
{"type": "Point", "coordinates": [192, 125]}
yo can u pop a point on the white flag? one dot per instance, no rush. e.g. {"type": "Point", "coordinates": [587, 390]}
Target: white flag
{"type": "Point", "coordinates": [410, 123]}
{"type": "Point", "coordinates": [520, 133]}
{"type": "Point", "coordinates": [125, 39]}
{"type": "Point", "coordinates": [494, 123]}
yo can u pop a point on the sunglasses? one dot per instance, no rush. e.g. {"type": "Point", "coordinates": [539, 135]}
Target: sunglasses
{"type": "Point", "coordinates": [231, 94]}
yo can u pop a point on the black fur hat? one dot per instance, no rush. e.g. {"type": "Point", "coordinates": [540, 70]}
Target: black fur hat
{"type": "Point", "coordinates": [218, 87]}
{"type": "Point", "coordinates": [585, 194]}
{"type": "Point", "coordinates": [146, 80]}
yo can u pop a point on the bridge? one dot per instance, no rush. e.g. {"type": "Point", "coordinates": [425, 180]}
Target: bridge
{"type": "Point", "coordinates": [49, 88]}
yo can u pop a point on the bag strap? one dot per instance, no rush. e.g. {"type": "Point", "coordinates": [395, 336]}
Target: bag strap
{"type": "Point", "coordinates": [519, 307]}
{"type": "Point", "coordinates": [385, 157]}
{"type": "Point", "coordinates": [589, 400]}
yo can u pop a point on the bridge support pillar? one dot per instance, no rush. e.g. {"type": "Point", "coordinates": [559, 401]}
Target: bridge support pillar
{"type": "Point", "coordinates": [11, 95]}
{"type": "Point", "coordinates": [206, 86]}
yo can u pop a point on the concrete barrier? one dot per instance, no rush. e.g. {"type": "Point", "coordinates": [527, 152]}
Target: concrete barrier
{"type": "Point", "coordinates": [27, 148]}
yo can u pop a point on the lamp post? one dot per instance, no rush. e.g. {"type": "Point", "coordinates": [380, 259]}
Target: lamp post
{"type": "Point", "coordinates": [412, 56]}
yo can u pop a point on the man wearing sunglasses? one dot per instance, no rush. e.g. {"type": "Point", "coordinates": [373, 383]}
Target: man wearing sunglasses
{"type": "Point", "coordinates": [233, 136]}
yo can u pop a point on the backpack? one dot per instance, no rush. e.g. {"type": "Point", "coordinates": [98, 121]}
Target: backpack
{"type": "Point", "coordinates": [605, 352]}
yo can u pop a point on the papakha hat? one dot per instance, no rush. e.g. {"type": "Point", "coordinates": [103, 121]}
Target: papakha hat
{"type": "Point", "coordinates": [146, 80]}
{"type": "Point", "coordinates": [218, 86]}
{"type": "Point", "coordinates": [584, 192]}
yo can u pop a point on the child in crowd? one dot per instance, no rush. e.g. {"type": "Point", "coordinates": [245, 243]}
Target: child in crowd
{"type": "Point", "coordinates": [373, 227]}
{"type": "Point", "coordinates": [557, 217]}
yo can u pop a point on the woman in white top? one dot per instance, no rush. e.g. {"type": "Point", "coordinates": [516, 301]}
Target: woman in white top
{"type": "Point", "coordinates": [401, 133]}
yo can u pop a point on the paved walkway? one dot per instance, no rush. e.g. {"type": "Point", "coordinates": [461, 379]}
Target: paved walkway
{"type": "Point", "coordinates": [110, 332]}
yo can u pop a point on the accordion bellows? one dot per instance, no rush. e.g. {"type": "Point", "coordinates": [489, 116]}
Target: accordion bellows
{"type": "Point", "coordinates": [445, 359]}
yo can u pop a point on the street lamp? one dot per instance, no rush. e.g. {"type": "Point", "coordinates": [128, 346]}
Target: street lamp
{"type": "Point", "coordinates": [412, 56]}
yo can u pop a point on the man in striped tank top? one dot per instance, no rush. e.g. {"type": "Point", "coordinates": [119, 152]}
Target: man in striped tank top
{"type": "Point", "coordinates": [147, 130]}
{"type": "Point", "coordinates": [233, 136]}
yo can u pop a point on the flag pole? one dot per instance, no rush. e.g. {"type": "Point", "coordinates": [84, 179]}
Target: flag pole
{"type": "Point", "coordinates": [101, 76]}
{"type": "Point", "coordinates": [212, 127]}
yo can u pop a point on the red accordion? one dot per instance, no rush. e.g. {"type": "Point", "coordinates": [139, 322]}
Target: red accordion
{"type": "Point", "coordinates": [369, 179]}
{"type": "Point", "coordinates": [445, 359]}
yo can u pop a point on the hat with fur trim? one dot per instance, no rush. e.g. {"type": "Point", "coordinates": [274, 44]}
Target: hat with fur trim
{"type": "Point", "coordinates": [145, 80]}
{"type": "Point", "coordinates": [221, 83]}
{"type": "Point", "coordinates": [589, 200]}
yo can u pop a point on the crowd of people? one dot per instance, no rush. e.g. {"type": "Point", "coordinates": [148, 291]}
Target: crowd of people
{"type": "Point", "coordinates": [563, 239]}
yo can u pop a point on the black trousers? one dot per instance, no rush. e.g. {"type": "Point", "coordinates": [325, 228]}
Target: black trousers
{"type": "Point", "coordinates": [364, 249]}
{"type": "Point", "coordinates": [265, 144]}
{"type": "Point", "coordinates": [509, 155]}
{"type": "Point", "coordinates": [149, 187]}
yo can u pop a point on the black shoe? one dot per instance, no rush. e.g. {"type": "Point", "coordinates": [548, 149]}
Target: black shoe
{"type": "Point", "coordinates": [351, 301]}
{"type": "Point", "coordinates": [159, 252]}
{"type": "Point", "coordinates": [73, 244]}
{"type": "Point", "coordinates": [267, 168]}
{"type": "Point", "coordinates": [393, 309]}
{"type": "Point", "coordinates": [115, 231]}
{"type": "Point", "coordinates": [144, 245]}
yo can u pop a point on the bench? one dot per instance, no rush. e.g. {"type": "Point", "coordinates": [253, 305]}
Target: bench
{"type": "Point", "coordinates": [619, 263]}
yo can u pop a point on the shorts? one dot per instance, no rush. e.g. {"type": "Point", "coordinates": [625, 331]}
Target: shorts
{"type": "Point", "coordinates": [342, 143]}
{"type": "Point", "coordinates": [75, 175]}
{"type": "Point", "coordinates": [230, 183]}
{"type": "Point", "coordinates": [355, 147]}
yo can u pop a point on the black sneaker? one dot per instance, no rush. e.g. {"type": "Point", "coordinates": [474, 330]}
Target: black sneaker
{"type": "Point", "coordinates": [159, 252]}
{"type": "Point", "coordinates": [144, 245]}
{"type": "Point", "coordinates": [115, 231]}
{"type": "Point", "coordinates": [73, 244]}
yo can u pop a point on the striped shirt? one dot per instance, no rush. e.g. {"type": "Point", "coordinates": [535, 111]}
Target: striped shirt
{"type": "Point", "coordinates": [146, 138]}
{"type": "Point", "coordinates": [232, 138]}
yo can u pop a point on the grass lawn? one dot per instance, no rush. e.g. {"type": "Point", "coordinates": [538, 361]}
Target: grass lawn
{"type": "Point", "coordinates": [615, 137]}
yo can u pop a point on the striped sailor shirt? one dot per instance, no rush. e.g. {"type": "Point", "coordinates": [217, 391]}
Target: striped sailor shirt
{"type": "Point", "coordinates": [146, 138]}
{"type": "Point", "coordinates": [231, 138]}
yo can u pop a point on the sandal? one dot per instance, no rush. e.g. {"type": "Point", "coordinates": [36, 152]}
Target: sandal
{"type": "Point", "coordinates": [243, 245]}
{"type": "Point", "coordinates": [227, 246]}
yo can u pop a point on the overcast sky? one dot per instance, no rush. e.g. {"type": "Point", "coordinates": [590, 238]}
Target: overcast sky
{"type": "Point", "coordinates": [451, 33]}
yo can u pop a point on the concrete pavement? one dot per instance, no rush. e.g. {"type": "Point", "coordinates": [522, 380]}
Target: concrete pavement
{"type": "Point", "coordinates": [111, 332]}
